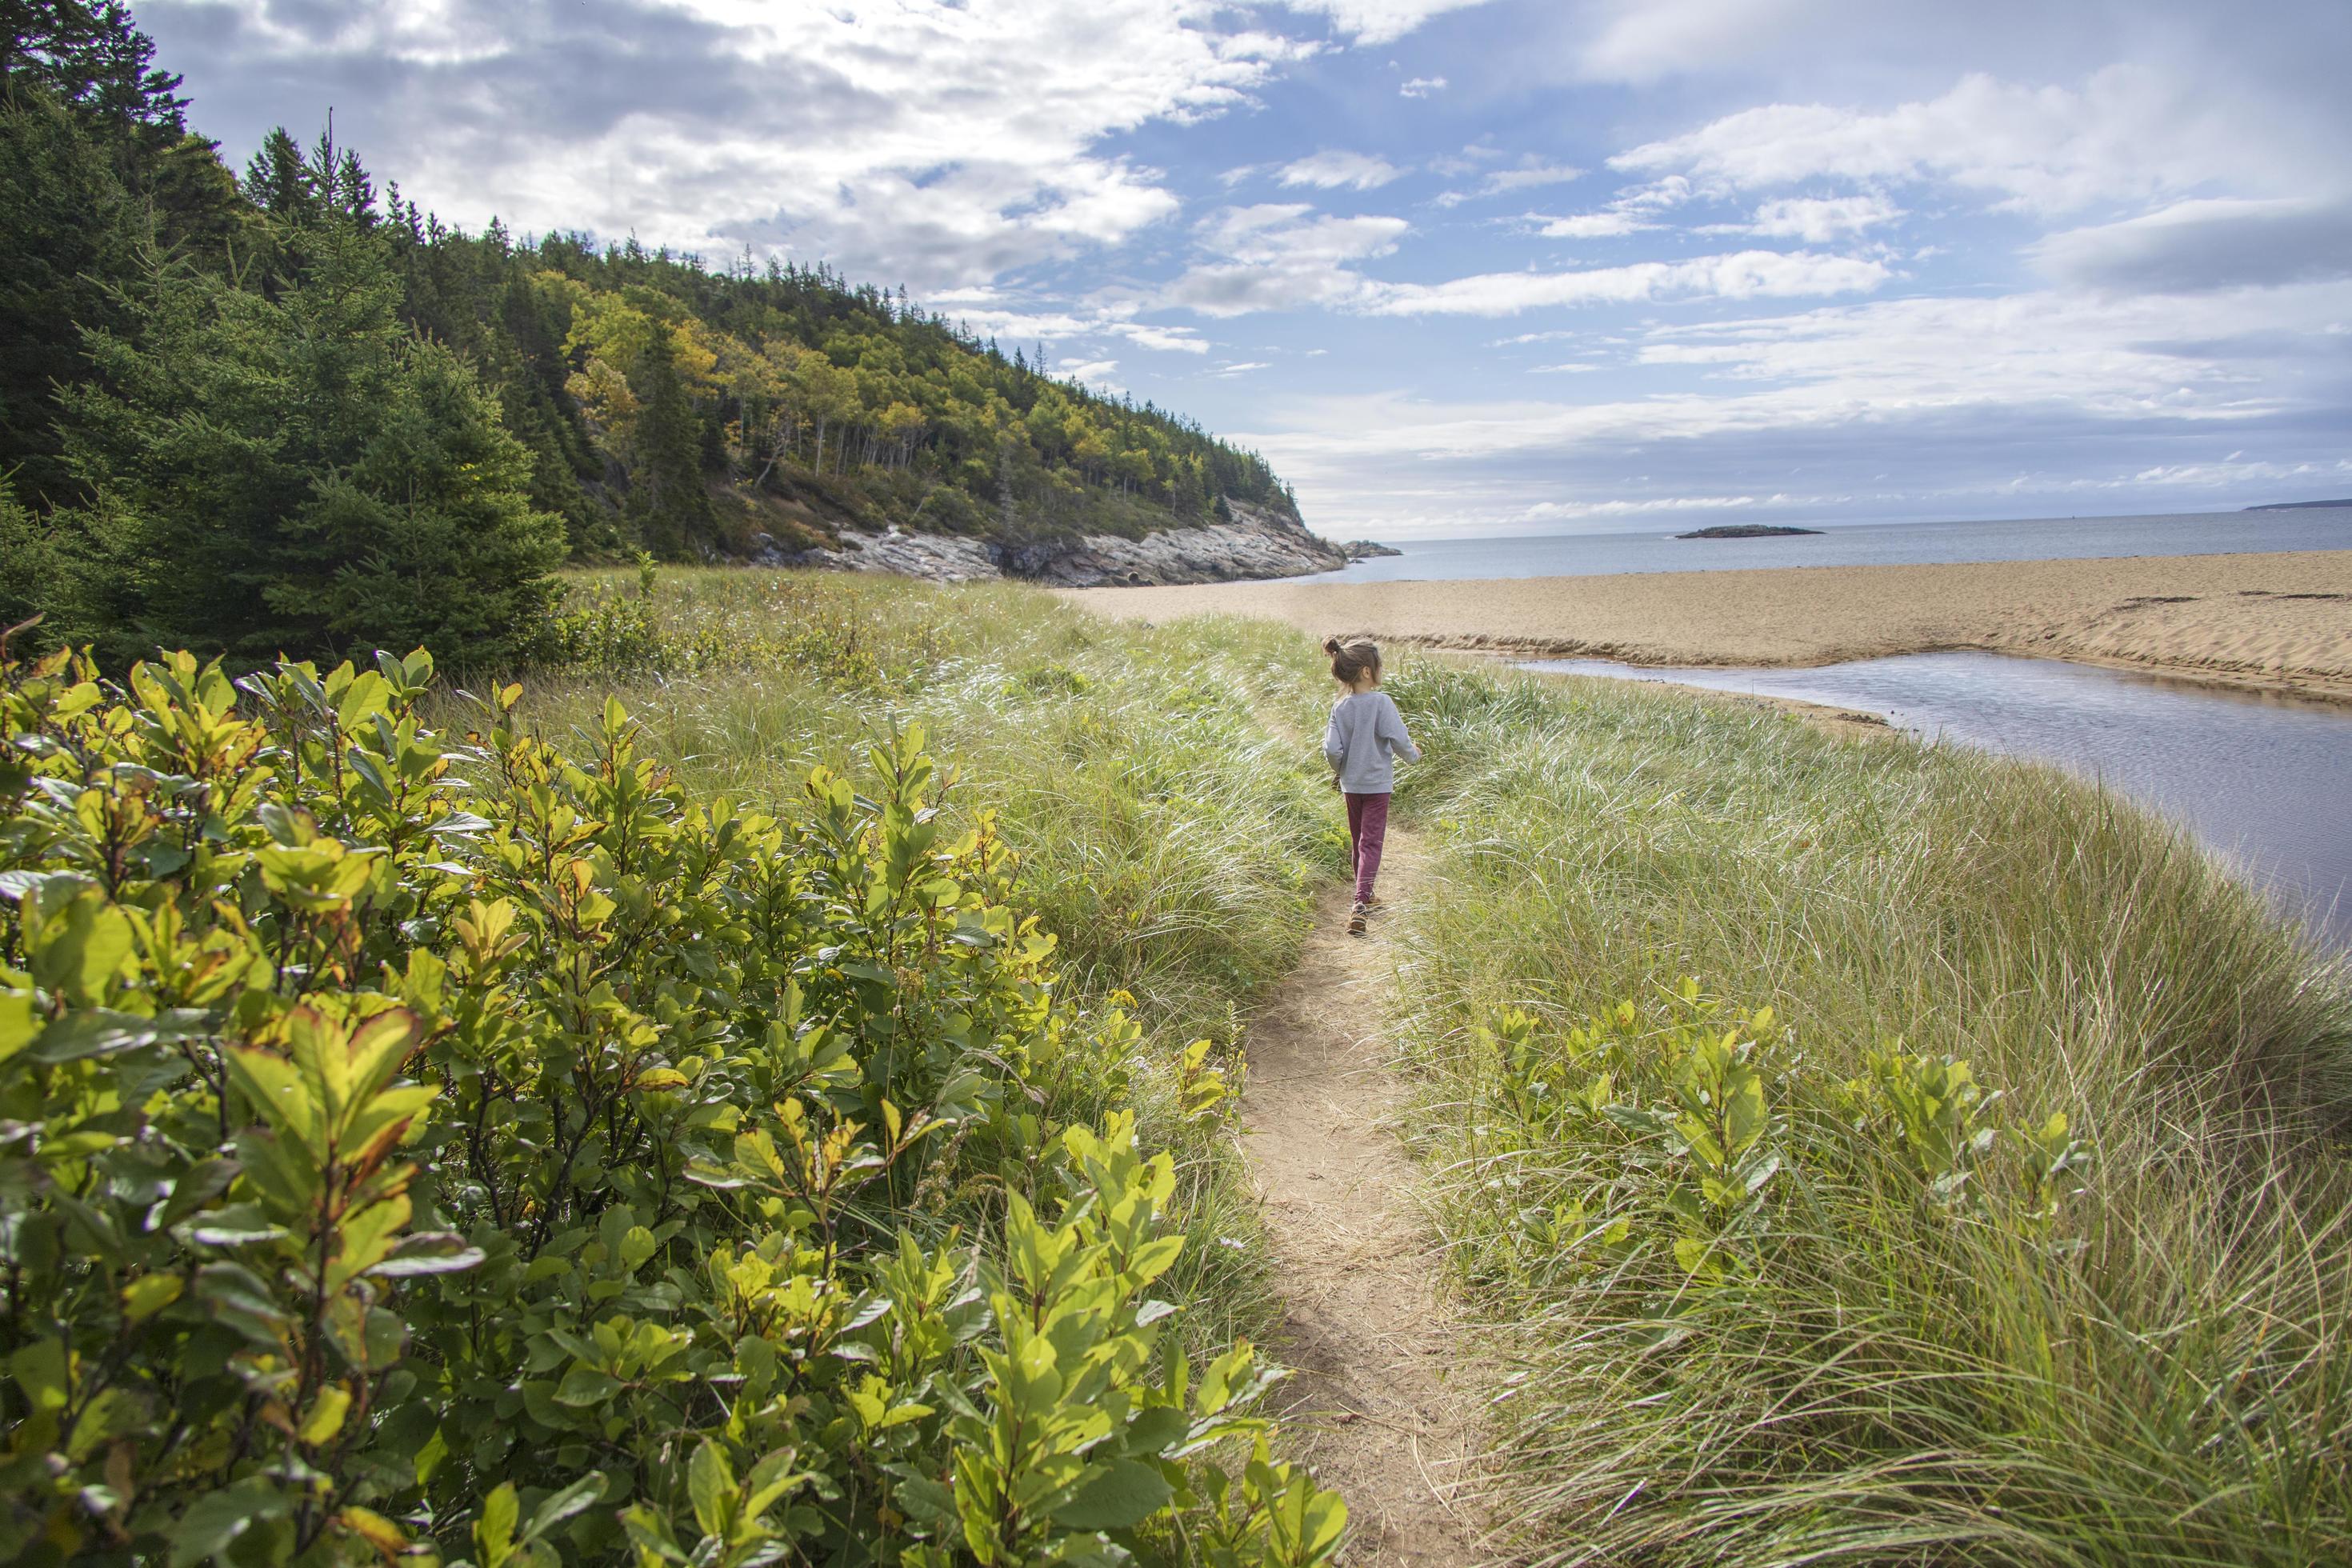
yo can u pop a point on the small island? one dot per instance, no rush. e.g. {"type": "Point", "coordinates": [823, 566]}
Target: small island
{"type": "Point", "coordinates": [2303, 506]}
{"type": "Point", "coordinates": [1365, 549]}
{"type": "Point", "coordinates": [1746, 531]}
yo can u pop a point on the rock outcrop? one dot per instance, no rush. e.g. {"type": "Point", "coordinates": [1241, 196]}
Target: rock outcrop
{"type": "Point", "coordinates": [1246, 542]}
{"type": "Point", "coordinates": [941, 557]}
{"type": "Point", "coordinates": [1365, 549]}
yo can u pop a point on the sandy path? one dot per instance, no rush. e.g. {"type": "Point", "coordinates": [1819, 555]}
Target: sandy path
{"type": "Point", "coordinates": [2281, 620]}
{"type": "Point", "coordinates": [1367, 1330]}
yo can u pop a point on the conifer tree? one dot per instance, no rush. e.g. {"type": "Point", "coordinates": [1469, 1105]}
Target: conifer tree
{"type": "Point", "coordinates": [306, 474]}
{"type": "Point", "coordinates": [429, 537]}
{"type": "Point", "coordinates": [279, 179]}
{"type": "Point", "coordinates": [29, 567]}
{"type": "Point", "coordinates": [91, 58]}
{"type": "Point", "coordinates": [68, 233]}
{"type": "Point", "coordinates": [95, 160]}
{"type": "Point", "coordinates": [667, 499]}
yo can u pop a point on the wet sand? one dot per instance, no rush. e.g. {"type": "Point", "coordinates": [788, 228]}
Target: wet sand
{"type": "Point", "coordinates": [2280, 622]}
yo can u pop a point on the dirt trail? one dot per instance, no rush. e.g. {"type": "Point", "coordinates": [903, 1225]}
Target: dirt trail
{"type": "Point", "coordinates": [1367, 1331]}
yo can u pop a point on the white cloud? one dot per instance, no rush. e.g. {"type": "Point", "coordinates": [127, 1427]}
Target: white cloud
{"type": "Point", "coordinates": [2230, 473]}
{"type": "Point", "coordinates": [1474, 156]}
{"type": "Point", "coordinates": [1093, 373]}
{"type": "Point", "coordinates": [1635, 210]}
{"type": "Point", "coordinates": [1173, 339]}
{"type": "Point", "coordinates": [1572, 367]}
{"type": "Point", "coordinates": [1241, 367]}
{"type": "Point", "coordinates": [933, 143]}
{"type": "Point", "coordinates": [2128, 133]}
{"type": "Point", "coordinates": [1421, 86]}
{"type": "Point", "coordinates": [2212, 243]}
{"type": "Point", "coordinates": [2111, 355]}
{"type": "Point", "coordinates": [1641, 40]}
{"type": "Point", "coordinates": [1281, 256]}
{"type": "Point", "coordinates": [424, 33]}
{"type": "Point", "coordinates": [1745, 274]}
{"type": "Point", "coordinates": [1331, 170]}
{"type": "Point", "coordinates": [1531, 173]}
{"type": "Point", "coordinates": [1607, 224]}
{"type": "Point", "coordinates": [1379, 21]}
{"type": "Point", "coordinates": [1561, 510]}
{"type": "Point", "coordinates": [1818, 220]}
{"type": "Point", "coordinates": [991, 312]}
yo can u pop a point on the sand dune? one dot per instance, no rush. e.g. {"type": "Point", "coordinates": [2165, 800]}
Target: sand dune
{"type": "Point", "coordinates": [2271, 620]}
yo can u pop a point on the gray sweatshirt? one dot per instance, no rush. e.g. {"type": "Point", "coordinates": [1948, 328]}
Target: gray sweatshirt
{"type": "Point", "coordinates": [1367, 732]}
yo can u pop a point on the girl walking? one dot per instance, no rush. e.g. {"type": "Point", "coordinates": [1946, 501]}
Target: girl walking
{"type": "Point", "coordinates": [1367, 734]}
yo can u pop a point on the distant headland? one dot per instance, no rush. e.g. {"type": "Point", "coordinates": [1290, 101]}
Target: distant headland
{"type": "Point", "coordinates": [1746, 530]}
{"type": "Point", "coordinates": [2301, 505]}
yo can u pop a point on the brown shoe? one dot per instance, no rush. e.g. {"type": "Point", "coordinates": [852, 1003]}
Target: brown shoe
{"type": "Point", "coordinates": [1355, 920]}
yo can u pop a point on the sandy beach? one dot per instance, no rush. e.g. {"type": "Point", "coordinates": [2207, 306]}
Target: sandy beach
{"type": "Point", "coordinates": [2274, 621]}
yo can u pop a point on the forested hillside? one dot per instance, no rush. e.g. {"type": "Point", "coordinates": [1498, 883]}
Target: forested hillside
{"type": "Point", "coordinates": [292, 410]}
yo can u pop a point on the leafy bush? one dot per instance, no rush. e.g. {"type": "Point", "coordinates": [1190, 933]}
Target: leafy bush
{"type": "Point", "coordinates": [412, 1147]}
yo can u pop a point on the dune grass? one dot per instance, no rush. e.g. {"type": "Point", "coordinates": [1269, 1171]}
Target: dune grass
{"type": "Point", "coordinates": [1915, 1319]}
{"type": "Point", "coordinates": [1938, 1327]}
{"type": "Point", "coordinates": [1170, 842]}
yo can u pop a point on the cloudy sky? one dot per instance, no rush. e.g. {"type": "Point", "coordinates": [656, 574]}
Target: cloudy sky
{"type": "Point", "coordinates": [1471, 267]}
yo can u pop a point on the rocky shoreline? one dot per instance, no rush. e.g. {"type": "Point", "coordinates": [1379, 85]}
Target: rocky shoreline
{"type": "Point", "coordinates": [1247, 543]}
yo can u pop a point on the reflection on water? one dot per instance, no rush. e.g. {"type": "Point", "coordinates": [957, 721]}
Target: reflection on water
{"type": "Point", "coordinates": [2266, 779]}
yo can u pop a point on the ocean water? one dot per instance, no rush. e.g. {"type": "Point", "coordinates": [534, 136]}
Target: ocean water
{"type": "Point", "coordinates": [2263, 779]}
{"type": "Point", "coordinates": [1858, 544]}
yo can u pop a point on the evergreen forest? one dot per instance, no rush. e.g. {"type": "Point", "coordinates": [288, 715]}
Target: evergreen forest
{"type": "Point", "coordinates": [289, 411]}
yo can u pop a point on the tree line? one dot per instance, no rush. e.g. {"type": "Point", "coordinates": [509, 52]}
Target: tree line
{"type": "Point", "coordinates": [286, 411]}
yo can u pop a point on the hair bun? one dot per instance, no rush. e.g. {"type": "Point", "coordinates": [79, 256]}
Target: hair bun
{"type": "Point", "coordinates": [1330, 645]}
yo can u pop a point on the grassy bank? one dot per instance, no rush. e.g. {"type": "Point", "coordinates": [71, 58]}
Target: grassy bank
{"type": "Point", "coordinates": [1165, 837]}
{"type": "Point", "coordinates": [2013, 1232]}
{"type": "Point", "coordinates": [1867, 1152]}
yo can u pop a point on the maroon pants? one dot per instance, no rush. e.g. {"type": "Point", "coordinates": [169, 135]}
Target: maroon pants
{"type": "Point", "coordinates": [1367, 829]}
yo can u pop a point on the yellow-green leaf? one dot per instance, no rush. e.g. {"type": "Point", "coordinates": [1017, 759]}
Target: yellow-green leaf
{"type": "Point", "coordinates": [326, 1417]}
{"type": "Point", "coordinates": [150, 1294]}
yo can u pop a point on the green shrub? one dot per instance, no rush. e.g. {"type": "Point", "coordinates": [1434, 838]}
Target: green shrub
{"type": "Point", "coordinates": [602, 631]}
{"type": "Point", "coordinates": [421, 1147]}
{"type": "Point", "coordinates": [1685, 1154]}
